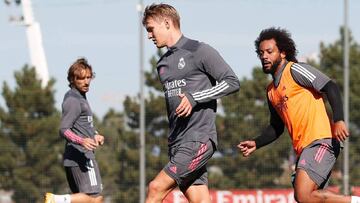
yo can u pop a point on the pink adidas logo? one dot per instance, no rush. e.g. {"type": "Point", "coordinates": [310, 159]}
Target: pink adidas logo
{"type": "Point", "coordinates": [303, 162]}
{"type": "Point", "coordinates": [173, 169]}
{"type": "Point", "coordinates": [161, 70]}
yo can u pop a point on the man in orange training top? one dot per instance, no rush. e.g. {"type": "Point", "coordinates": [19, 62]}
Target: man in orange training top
{"type": "Point", "coordinates": [295, 101]}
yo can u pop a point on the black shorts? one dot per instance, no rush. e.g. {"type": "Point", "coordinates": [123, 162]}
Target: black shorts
{"type": "Point", "coordinates": [85, 179]}
{"type": "Point", "coordinates": [187, 165]}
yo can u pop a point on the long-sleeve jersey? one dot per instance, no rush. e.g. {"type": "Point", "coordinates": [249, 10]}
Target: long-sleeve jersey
{"type": "Point", "coordinates": [76, 124]}
{"type": "Point", "coordinates": [197, 70]}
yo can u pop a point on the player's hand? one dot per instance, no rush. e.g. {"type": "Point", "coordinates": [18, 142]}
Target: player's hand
{"type": "Point", "coordinates": [99, 139]}
{"type": "Point", "coordinates": [247, 147]}
{"type": "Point", "coordinates": [340, 131]}
{"type": "Point", "coordinates": [89, 144]}
{"type": "Point", "coordinates": [184, 109]}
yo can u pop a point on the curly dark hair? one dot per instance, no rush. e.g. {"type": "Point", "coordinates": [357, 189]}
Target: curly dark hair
{"type": "Point", "coordinates": [283, 41]}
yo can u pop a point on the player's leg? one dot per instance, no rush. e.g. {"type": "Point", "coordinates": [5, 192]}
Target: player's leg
{"type": "Point", "coordinates": [85, 182]}
{"type": "Point", "coordinates": [313, 171]}
{"type": "Point", "coordinates": [73, 198]}
{"type": "Point", "coordinates": [306, 190]}
{"type": "Point", "coordinates": [198, 194]}
{"type": "Point", "coordinates": [194, 179]}
{"type": "Point", "coordinates": [164, 182]}
{"type": "Point", "coordinates": [82, 198]}
{"type": "Point", "coordinates": [53, 198]}
{"type": "Point", "coordinates": [159, 187]}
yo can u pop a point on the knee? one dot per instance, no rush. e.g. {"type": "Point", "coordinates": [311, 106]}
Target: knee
{"type": "Point", "coordinates": [99, 199]}
{"type": "Point", "coordinates": [154, 187]}
{"type": "Point", "coordinates": [301, 198]}
{"type": "Point", "coordinates": [155, 192]}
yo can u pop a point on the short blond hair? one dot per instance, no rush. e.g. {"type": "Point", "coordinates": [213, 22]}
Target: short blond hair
{"type": "Point", "coordinates": [160, 11]}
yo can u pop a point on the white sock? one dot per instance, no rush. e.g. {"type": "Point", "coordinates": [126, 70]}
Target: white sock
{"type": "Point", "coordinates": [62, 198]}
{"type": "Point", "coordinates": [355, 199]}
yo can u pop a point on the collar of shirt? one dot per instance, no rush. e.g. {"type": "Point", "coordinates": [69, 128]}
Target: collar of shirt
{"type": "Point", "coordinates": [76, 91]}
{"type": "Point", "coordinates": [179, 43]}
{"type": "Point", "coordinates": [277, 76]}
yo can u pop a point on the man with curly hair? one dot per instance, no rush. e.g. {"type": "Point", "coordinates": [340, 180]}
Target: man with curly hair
{"type": "Point", "coordinates": [295, 101]}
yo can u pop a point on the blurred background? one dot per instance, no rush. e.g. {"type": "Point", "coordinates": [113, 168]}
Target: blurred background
{"type": "Point", "coordinates": [40, 39]}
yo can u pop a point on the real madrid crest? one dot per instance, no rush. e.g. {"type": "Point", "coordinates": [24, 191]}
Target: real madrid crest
{"type": "Point", "coordinates": [181, 63]}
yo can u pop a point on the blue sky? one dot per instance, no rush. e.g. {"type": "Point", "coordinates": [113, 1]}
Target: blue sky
{"type": "Point", "coordinates": [106, 32]}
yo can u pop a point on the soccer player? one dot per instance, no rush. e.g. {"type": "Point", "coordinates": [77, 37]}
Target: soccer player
{"type": "Point", "coordinates": [82, 139]}
{"type": "Point", "coordinates": [193, 75]}
{"type": "Point", "coordinates": [295, 101]}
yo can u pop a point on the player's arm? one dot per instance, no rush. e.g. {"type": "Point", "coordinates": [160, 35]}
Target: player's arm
{"type": "Point", "coordinates": [71, 110]}
{"type": "Point", "coordinates": [99, 138]}
{"type": "Point", "coordinates": [268, 135]}
{"type": "Point", "coordinates": [332, 93]}
{"type": "Point", "coordinates": [214, 65]}
{"type": "Point", "coordinates": [224, 77]}
{"type": "Point", "coordinates": [272, 131]}
{"type": "Point", "coordinates": [310, 77]}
